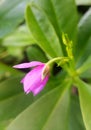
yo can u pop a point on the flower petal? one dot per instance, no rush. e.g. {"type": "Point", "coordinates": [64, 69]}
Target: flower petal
{"type": "Point", "coordinates": [29, 64]}
{"type": "Point", "coordinates": [32, 79]}
{"type": "Point", "coordinates": [39, 89]}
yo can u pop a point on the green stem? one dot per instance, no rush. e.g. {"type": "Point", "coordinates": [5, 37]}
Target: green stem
{"type": "Point", "coordinates": [56, 60]}
{"type": "Point", "coordinates": [60, 61]}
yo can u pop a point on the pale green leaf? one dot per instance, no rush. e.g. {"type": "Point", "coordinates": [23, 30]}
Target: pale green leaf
{"type": "Point", "coordinates": [19, 38]}
{"type": "Point", "coordinates": [83, 2]}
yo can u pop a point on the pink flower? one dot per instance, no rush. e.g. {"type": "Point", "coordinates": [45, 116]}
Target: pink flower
{"type": "Point", "coordinates": [34, 81]}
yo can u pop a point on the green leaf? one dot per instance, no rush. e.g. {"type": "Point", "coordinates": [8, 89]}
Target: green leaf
{"type": "Point", "coordinates": [4, 124]}
{"type": "Point", "coordinates": [85, 102]}
{"type": "Point", "coordinates": [85, 66]}
{"type": "Point", "coordinates": [19, 38]}
{"type": "Point", "coordinates": [7, 70]}
{"type": "Point", "coordinates": [11, 107]}
{"type": "Point", "coordinates": [83, 2]}
{"type": "Point", "coordinates": [6, 89]}
{"type": "Point", "coordinates": [63, 19]}
{"type": "Point", "coordinates": [54, 82]}
{"type": "Point", "coordinates": [15, 51]}
{"type": "Point", "coordinates": [86, 74]}
{"type": "Point", "coordinates": [76, 121]}
{"type": "Point", "coordinates": [11, 15]}
{"type": "Point", "coordinates": [12, 99]}
{"type": "Point", "coordinates": [86, 53]}
{"type": "Point", "coordinates": [83, 46]}
{"type": "Point", "coordinates": [43, 31]}
{"type": "Point", "coordinates": [35, 53]}
{"type": "Point", "coordinates": [50, 112]}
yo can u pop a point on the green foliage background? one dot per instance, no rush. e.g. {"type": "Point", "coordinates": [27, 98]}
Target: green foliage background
{"type": "Point", "coordinates": [34, 32]}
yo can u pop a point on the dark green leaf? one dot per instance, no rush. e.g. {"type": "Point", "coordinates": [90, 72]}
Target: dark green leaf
{"type": "Point", "coordinates": [11, 15]}
{"type": "Point", "coordinates": [85, 102]}
{"type": "Point", "coordinates": [11, 107]}
{"type": "Point", "coordinates": [76, 121]}
{"type": "Point", "coordinates": [8, 70]}
{"type": "Point", "coordinates": [43, 31]}
{"type": "Point", "coordinates": [63, 19]}
{"type": "Point", "coordinates": [85, 66]}
{"type": "Point", "coordinates": [83, 47]}
{"type": "Point", "coordinates": [50, 112]}
{"type": "Point", "coordinates": [12, 99]}
{"type": "Point", "coordinates": [10, 87]}
{"type": "Point", "coordinates": [86, 74]}
{"type": "Point", "coordinates": [35, 53]}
